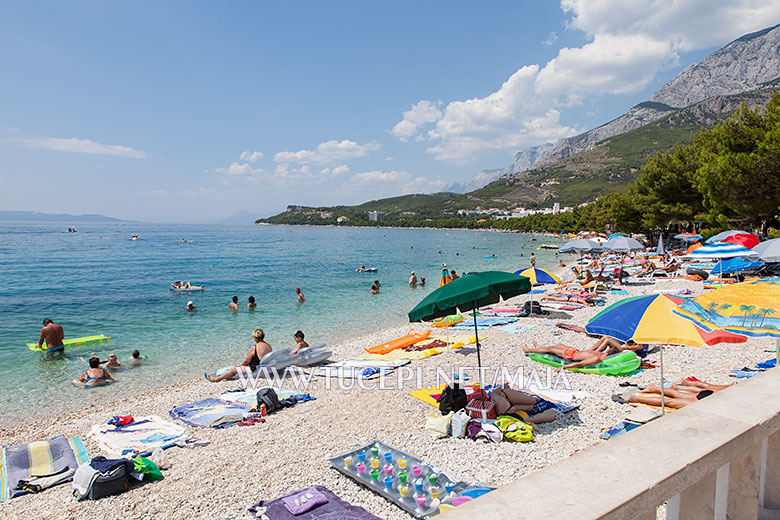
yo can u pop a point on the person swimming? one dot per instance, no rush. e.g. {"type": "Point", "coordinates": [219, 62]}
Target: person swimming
{"type": "Point", "coordinates": [112, 362]}
{"type": "Point", "coordinates": [95, 375]}
{"type": "Point", "coordinates": [135, 359]}
{"type": "Point", "coordinates": [251, 305]}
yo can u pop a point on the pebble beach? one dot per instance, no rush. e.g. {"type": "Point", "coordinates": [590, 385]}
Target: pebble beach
{"type": "Point", "coordinates": [244, 464]}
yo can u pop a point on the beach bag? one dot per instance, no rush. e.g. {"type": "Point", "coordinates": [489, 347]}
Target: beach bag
{"type": "Point", "coordinates": [268, 397]}
{"type": "Point", "coordinates": [534, 307]}
{"type": "Point", "coordinates": [458, 424]}
{"type": "Point", "coordinates": [147, 468]}
{"type": "Point", "coordinates": [439, 424]}
{"type": "Point", "coordinates": [487, 432]}
{"type": "Point", "coordinates": [515, 429]}
{"type": "Point", "coordinates": [479, 408]}
{"type": "Point", "coordinates": [452, 400]}
{"type": "Point", "coordinates": [89, 483]}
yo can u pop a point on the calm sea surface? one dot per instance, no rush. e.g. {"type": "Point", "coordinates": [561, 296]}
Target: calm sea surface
{"type": "Point", "coordinates": [114, 286]}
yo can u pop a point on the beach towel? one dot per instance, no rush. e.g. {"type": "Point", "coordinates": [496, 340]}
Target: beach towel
{"type": "Point", "coordinates": [140, 436]}
{"type": "Point", "coordinates": [44, 463]}
{"type": "Point", "coordinates": [619, 429]}
{"type": "Point", "coordinates": [314, 503]}
{"type": "Point", "coordinates": [516, 328]}
{"type": "Point", "coordinates": [211, 413]}
{"type": "Point", "coordinates": [248, 397]}
{"type": "Point", "coordinates": [484, 322]}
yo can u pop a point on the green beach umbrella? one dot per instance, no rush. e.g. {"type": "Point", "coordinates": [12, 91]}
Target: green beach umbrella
{"type": "Point", "coordinates": [468, 293]}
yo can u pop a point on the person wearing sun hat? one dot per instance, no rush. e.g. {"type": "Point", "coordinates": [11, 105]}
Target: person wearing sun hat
{"type": "Point", "coordinates": [190, 306]}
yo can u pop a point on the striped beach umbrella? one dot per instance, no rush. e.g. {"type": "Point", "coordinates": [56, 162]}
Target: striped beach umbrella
{"type": "Point", "coordinates": [538, 276]}
{"type": "Point", "coordinates": [688, 237]}
{"type": "Point", "coordinates": [720, 251]}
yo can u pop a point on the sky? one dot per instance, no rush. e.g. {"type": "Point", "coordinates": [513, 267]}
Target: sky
{"type": "Point", "coordinates": [191, 111]}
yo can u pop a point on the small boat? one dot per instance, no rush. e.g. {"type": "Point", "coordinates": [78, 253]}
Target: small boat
{"type": "Point", "coordinates": [548, 246]}
{"type": "Point", "coordinates": [72, 230]}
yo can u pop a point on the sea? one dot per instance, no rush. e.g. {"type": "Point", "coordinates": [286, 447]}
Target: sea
{"type": "Point", "coordinates": [98, 281]}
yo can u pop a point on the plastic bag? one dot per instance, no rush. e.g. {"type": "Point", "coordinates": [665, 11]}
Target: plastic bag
{"type": "Point", "coordinates": [438, 424]}
{"type": "Point", "coordinates": [459, 422]}
{"type": "Point", "coordinates": [159, 457]}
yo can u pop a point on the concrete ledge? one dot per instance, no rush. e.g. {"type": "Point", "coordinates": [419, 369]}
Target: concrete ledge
{"type": "Point", "coordinates": [631, 475]}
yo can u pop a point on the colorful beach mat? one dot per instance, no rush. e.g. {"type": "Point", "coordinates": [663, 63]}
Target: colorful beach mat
{"type": "Point", "coordinates": [46, 463]}
{"type": "Point", "coordinates": [140, 436]}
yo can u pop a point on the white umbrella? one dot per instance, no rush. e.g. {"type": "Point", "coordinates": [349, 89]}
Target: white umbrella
{"type": "Point", "coordinates": [769, 251]}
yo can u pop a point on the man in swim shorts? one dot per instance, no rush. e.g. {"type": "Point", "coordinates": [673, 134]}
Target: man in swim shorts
{"type": "Point", "coordinates": [53, 335]}
{"type": "Point", "coordinates": [581, 358]}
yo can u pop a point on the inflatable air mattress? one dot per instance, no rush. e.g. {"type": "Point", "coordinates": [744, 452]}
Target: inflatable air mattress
{"type": "Point", "coordinates": [75, 342]}
{"type": "Point", "coordinates": [403, 341]}
{"type": "Point", "coordinates": [614, 365]}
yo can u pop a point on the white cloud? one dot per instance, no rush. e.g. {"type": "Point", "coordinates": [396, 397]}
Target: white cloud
{"type": "Point", "coordinates": [388, 158]}
{"type": "Point", "coordinates": [328, 152]}
{"type": "Point", "coordinates": [73, 144]}
{"type": "Point", "coordinates": [629, 42]}
{"type": "Point", "coordinates": [246, 155]}
{"type": "Point", "coordinates": [338, 170]}
{"type": "Point", "coordinates": [550, 39]}
{"type": "Point", "coordinates": [379, 176]}
{"type": "Point", "coordinates": [421, 113]}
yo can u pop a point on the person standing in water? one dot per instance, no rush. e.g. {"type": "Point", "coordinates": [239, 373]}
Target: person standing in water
{"type": "Point", "coordinates": [52, 334]}
{"type": "Point", "coordinates": [233, 306]}
{"type": "Point", "coordinates": [532, 259]}
{"type": "Point", "coordinates": [301, 297]}
{"type": "Point", "coordinates": [251, 305]}
{"type": "Point", "coordinates": [413, 280]}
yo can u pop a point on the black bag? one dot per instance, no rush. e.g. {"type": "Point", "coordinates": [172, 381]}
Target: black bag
{"type": "Point", "coordinates": [452, 399]}
{"type": "Point", "coordinates": [268, 397]}
{"type": "Point", "coordinates": [100, 485]}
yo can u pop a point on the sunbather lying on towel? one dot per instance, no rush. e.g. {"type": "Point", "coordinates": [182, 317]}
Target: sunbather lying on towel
{"type": "Point", "coordinates": [647, 267]}
{"type": "Point", "coordinates": [565, 297]}
{"type": "Point", "coordinates": [613, 346]}
{"type": "Point", "coordinates": [532, 409]}
{"type": "Point", "coordinates": [581, 358]}
{"type": "Point", "coordinates": [677, 395]}
{"type": "Point", "coordinates": [598, 278]}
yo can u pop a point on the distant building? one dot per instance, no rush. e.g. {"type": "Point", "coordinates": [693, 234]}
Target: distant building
{"type": "Point", "coordinates": [326, 214]}
{"type": "Point", "coordinates": [375, 216]}
{"type": "Point", "coordinates": [557, 208]}
{"type": "Point", "coordinates": [342, 219]}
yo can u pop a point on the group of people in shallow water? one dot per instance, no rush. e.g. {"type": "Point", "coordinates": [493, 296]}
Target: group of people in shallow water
{"type": "Point", "coordinates": [98, 372]}
{"type": "Point", "coordinates": [257, 352]}
{"type": "Point", "coordinates": [251, 302]}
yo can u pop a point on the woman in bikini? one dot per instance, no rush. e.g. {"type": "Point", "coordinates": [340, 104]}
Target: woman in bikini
{"type": "Point", "coordinates": [95, 375]}
{"type": "Point", "coordinates": [580, 358]}
{"type": "Point", "coordinates": [253, 357]}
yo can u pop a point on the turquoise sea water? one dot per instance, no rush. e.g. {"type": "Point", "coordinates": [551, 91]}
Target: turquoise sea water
{"type": "Point", "coordinates": [114, 286]}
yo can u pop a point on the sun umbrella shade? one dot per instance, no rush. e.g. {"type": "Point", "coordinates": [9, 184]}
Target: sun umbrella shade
{"type": "Point", "coordinates": [749, 308]}
{"type": "Point", "coordinates": [470, 292]}
{"type": "Point", "coordinates": [720, 237]}
{"type": "Point", "coordinates": [735, 265]}
{"type": "Point", "coordinates": [623, 245]}
{"type": "Point", "coordinates": [538, 276]}
{"type": "Point", "coordinates": [720, 251]}
{"type": "Point", "coordinates": [743, 239]}
{"type": "Point", "coordinates": [580, 245]}
{"type": "Point", "coordinates": [688, 237]}
{"type": "Point", "coordinates": [768, 251]}
{"type": "Point", "coordinates": [650, 319]}
{"type": "Point", "coordinates": [660, 249]}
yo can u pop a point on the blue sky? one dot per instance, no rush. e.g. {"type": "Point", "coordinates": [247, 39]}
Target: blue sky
{"type": "Point", "coordinates": [191, 111]}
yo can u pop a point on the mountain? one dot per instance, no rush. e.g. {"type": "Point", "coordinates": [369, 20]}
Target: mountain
{"type": "Point", "coordinates": [35, 216]}
{"type": "Point", "coordinates": [523, 160]}
{"type": "Point", "coordinates": [240, 217]}
{"type": "Point", "coordinates": [747, 63]}
{"type": "Point", "coordinates": [477, 181]}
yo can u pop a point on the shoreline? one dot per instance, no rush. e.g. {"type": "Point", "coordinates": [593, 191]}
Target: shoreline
{"type": "Point", "coordinates": [340, 420]}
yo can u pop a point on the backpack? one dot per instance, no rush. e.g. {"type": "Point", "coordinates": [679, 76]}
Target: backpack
{"type": "Point", "coordinates": [452, 400]}
{"type": "Point", "coordinates": [92, 484]}
{"type": "Point", "coordinates": [514, 429]}
{"type": "Point", "coordinates": [268, 397]}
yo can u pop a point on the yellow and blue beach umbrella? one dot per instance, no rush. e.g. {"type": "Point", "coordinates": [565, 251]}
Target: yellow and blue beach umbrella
{"type": "Point", "coordinates": [650, 319]}
{"type": "Point", "coordinates": [751, 308]}
{"type": "Point", "coordinates": [538, 276]}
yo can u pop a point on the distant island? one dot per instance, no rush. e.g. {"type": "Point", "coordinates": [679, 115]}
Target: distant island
{"type": "Point", "coordinates": [36, 216]}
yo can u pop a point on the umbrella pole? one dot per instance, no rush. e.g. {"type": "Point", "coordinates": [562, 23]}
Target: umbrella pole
{"type": "Point", "coordinates": [663, 408]}
{"type": "Point", "coordinates": [479, 358]}
{"type": "Point", "coordinates": [777, 352]}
